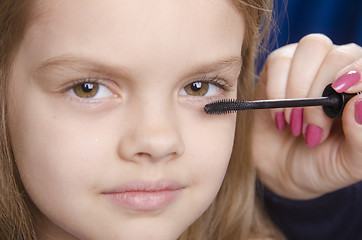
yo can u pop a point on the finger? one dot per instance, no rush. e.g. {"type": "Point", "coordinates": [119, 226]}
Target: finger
{"type": "Point", "coordinates": [352, 113]}
{"type": "Point", "coordinates": [278, 66]}
{"type": "Point", "coordinates": [317, 125]}
{"type": "Point", "coordinates": [350, 153]}
{"type": "Point", "coordinates": [349, 78]}
{"type": "Point", "coordinates": [308, 57]}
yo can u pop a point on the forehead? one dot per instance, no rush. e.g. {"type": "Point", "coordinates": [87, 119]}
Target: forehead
{"type": "Point", "coordinates": [134, 29]}
{"type": "Point", "coordinates": [114, 9]}
{"type": "Point", "coordinates": [101, 12]}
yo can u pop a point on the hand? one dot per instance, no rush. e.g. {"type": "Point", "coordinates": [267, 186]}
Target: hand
{"type": "Point", "coordinates": [315, 154]}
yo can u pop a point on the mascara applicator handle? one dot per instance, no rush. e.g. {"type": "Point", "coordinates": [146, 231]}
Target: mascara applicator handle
{"type": "Point", "coordinates": [338, 101]}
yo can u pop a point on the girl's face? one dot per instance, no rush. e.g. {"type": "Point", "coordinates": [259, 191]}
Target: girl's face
{"type": "Point", "coordinates": [106, 114]}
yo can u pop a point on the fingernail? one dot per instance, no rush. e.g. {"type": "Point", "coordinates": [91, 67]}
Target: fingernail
{"type": "Point", "coordinates": [280, 121]}
{"type": "Point", "coordinates": [296, 121]}
{"type": "Point", "coordinates": [358, 112]}
{"type": "Point", "coordinates": [313, 135]}
{"type": "Point", "coordinates": [346, 81]}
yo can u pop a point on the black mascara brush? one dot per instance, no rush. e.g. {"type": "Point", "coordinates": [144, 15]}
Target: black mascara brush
{"type": "Point", "coordinates": [333, 103]}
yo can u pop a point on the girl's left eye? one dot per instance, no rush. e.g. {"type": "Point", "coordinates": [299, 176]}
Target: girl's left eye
{"type": "Point", "coordinates": [200, 89]}
{"type": "Point", "coordinates": [90, 90]}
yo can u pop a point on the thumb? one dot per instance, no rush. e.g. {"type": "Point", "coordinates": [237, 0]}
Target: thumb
{"type": "Point", "coordinates": [351, 149]}
{"type": "Point", "coordinates": [350, 152]}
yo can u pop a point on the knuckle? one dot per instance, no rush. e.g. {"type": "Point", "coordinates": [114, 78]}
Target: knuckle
{"type": "Point", "coordinates": [277, 58]}
{"type": "Point", "coordinates": [285, 52]}
{"type": "Point", "coordinates": [357, 65]}
{"type": "Point", "coordinates": [353, 47]}
{"type": "Point", "coordinates": [348, 49]}
{"type": "Point", "coordinates": [279, 61]}
{"type": "Point", "coordinates": [341, 54]}
{"type": "Point", "coordinates": [317, 40]}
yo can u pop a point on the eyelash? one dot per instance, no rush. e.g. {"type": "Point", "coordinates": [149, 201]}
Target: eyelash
{"type": "Point", "coordinates": [82, 81]}
{"type": "Point", "coordinates": [217, 81]}
{"type": "Point", "coordinates": [91, 80]}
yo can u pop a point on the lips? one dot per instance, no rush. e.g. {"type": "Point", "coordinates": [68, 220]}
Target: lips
{"type": "Point", "coordinates": [145, 195]}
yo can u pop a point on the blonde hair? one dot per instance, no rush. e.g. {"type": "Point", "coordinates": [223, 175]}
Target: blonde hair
{"type": "Point", "coordinates": [234, 213]}
{"type": "Point", "coordinates": [16, 221]}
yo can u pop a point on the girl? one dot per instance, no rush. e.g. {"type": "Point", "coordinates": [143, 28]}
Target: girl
{"type": "Point", "coordinates": [103, 130]}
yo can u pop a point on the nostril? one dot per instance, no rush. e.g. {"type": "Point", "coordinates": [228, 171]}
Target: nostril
{"type": "Point", "coordinates": [143, 155]}
{"type": "Point", "coordinates": [150, 157]}
{"type": "Point", "coordinates": [172, 155]}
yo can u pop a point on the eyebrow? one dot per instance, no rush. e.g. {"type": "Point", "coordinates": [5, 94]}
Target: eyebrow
{"type": "Point", "coordinates": [232, 63]}
{"type": "Point", "coordinates": [68, 62]}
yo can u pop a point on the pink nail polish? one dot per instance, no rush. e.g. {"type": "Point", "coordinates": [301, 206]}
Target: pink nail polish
{"type": "Point", "coordinates": [358, 112]}
{"type": "Point", "coordinates": [346, 81]}
{"type": "Point", "coordinates": [280, 121]}
{"type": "Point", "coordinates": [296, 121]}
{"type": "Point", "coordinates": [313, 135]}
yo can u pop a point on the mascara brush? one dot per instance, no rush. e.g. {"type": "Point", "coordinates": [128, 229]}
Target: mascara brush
{"type": "Point", "coordinates": [332, 102]}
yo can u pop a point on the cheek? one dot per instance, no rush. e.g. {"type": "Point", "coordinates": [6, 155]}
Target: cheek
{"type": "Point", "coordinates": [53, 154]}
{"type": "Point", "coordinates": [210, 146]}
{"type": "Point", "coordinates": [61, 152]}
{"type": "Point", "coordinates": [214, 146]}
{"type": "Point", "coordinates": [61, 162]}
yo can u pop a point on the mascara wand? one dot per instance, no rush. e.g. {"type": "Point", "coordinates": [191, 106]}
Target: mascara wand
{"type": "Point", "coordinates": [332, 102]}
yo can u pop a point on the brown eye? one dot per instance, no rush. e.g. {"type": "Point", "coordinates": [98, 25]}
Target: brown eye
{"type": "Point", "coordinates": [197, 89]}
{"type": "Point", "coordinates": [86, 90]}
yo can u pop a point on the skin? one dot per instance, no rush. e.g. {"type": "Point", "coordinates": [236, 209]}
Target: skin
{"type": "Point", "coordinates": [287, 164]}
{"type": "Point", "coordinates": [141, 126]}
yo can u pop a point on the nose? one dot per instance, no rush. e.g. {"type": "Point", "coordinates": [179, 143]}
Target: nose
{"type": "Point", "coordinates": [152, 136]}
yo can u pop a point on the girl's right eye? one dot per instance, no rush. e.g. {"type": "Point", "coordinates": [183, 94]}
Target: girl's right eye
{"type": "Point", "coordinates": [90, 90]}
